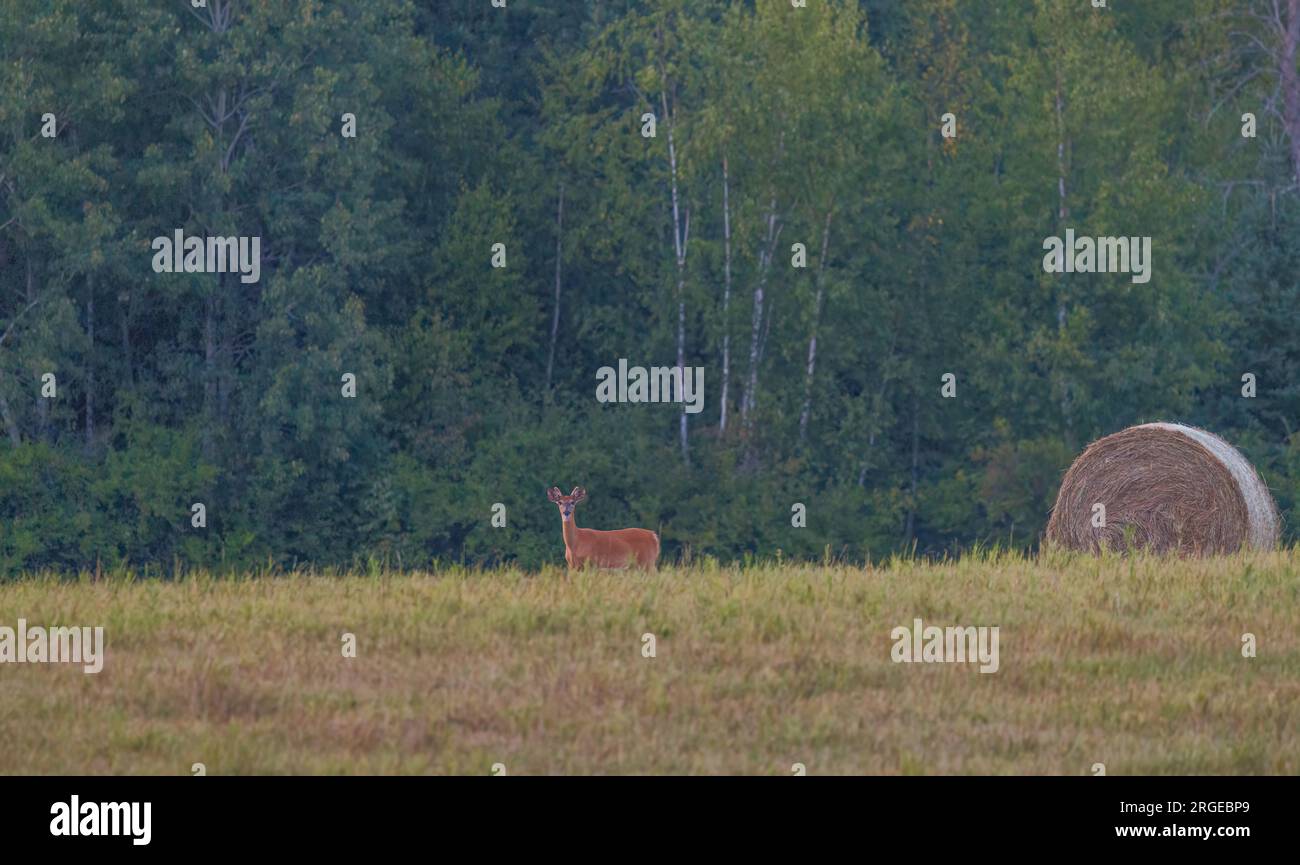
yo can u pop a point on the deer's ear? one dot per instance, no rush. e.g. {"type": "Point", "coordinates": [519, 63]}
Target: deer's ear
{"type": "Point", "coordinates": [578, 494]}
{"type": "Point", "coordinates": [554, 494]}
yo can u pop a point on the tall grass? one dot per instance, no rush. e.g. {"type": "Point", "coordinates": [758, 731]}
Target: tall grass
{"type": "Point", "coordinates": [1132, 662]}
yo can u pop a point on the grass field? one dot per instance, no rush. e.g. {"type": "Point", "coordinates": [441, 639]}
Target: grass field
{"type": "Point", "coordinates": [1134, 663]}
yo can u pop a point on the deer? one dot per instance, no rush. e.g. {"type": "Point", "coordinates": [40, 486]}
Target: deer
{"type": "Point", "coordinates": [618, 549]}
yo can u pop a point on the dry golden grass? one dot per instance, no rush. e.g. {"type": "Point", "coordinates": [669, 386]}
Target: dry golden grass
{"type": "Point", "coordinates": [1135, 663]}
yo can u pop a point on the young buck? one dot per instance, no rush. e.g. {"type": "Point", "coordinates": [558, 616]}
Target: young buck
{"type": "Point", "coordinates": [621, 548]}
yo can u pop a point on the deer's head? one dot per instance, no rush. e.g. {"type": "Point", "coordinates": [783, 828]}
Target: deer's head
{"type": "Point", "coordinates": [566, 503]}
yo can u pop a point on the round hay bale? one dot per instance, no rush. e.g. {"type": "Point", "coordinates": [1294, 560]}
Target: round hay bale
{"type": "Point", "coordinates": [1167, 488]}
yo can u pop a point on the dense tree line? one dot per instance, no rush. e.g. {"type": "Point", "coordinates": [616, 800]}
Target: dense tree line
{"type": "Point", "coordinates": [527, 127]}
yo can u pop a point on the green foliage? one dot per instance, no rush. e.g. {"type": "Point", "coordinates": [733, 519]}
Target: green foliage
{"type": "Point", "coordinates": [473, 124]}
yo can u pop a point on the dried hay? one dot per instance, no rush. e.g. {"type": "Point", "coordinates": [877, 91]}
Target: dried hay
{"type": "Point", "coordinates": [1167, 488]}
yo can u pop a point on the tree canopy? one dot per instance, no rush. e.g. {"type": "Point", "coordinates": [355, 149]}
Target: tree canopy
{"type": "Point", "coordinates": [837, 211]}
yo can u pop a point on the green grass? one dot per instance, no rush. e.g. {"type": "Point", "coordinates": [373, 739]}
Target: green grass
{"type": "Point", "coordinates": [1134, 663]}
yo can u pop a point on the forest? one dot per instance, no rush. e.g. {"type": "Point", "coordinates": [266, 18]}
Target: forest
{"type": "Point", "coordinates": [836, 211]}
